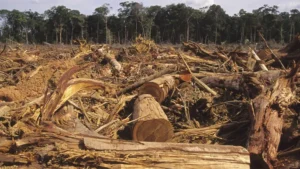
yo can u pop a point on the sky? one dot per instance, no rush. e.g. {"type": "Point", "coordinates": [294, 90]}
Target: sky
{"type": "Point", "coordinates": [87, 6]}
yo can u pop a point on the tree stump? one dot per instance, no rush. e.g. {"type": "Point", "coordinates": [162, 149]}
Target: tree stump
{"type": "Point", "coordinates": [152, 123]}
{"type": "Point", "coordinates": [158, 88]}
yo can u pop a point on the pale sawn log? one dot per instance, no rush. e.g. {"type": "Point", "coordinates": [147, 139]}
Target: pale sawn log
{"type": "Point", "coordinates": [158, 88]}
{"type": "Point", "coordinates": [152, 123]}
{"type": "Point", "coordinates": [170, 155]}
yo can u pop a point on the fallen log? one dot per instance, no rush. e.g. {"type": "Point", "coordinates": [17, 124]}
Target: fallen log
{"type": "Point", "coordinates": [152, 123]}
{"type": "Point", "coordinates": [235, 81]}
{"type": "Point", "coordinates": [170, 155]}
{"type": "Point", "coordinates": [158, 88]}
{"type": "Point", "coordinates": [137, 84]}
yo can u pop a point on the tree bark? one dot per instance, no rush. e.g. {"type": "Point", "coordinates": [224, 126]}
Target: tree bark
{"type": "Point", "coordinates": [158, 88]}
{"type": "Point", "coordinates": [267, 114]}
{"type": "Point", "coordinates": [152, 123]}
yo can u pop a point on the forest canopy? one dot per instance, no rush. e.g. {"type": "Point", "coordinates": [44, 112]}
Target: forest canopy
{"type": "Point", "coordinates": [173, 23]}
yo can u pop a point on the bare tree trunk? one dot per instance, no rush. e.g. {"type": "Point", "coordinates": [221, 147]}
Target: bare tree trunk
{"type": "Point", "coordinates": [72, 34]}
{"type": "Point", "coordinates": [26, 36]}
{"type": "Point", "coordinates": [251, 37]}
{"type": "Point", "coordinates": [60, 34]}
{"type": "Point", "coordinates": [119, 38]}
{"type": "Point", "coordinates": [291, 32]}
{"type": "Point", "coordinates": [81, 32]}
{"type": "Point", "coordinates": [281, 34]}
{"type": "Point", "coordinates": [188, 31]}
{"type": "Point", "coordinates": [46, 37]}
{"type": "Point", "coordinates": [98, 31]}
{"type": "Point", "coordinates": [106, 31]}
{"type": "Point", "coordinates": [66, 40]}
{"type": "Point", "coordinates": [242, 34]}
{"type": "Point", "coordinates": [136, 27]}
{"type": "Point", "coordinates": [125, 40]}
{"type": "Point", "coordinates": [56, 35]}
{"type": "Point", "coordinates": [216, 35]}
{"type": "Point", "coordinates": [254, 34]}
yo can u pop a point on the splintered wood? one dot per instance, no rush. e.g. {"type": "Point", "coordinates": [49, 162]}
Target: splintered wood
{"type": "Point", "coordinates": [173, 155]}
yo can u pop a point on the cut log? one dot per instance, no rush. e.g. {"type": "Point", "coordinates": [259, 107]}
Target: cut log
{"type": "Point", "coordinates": [158, 88]}
{"type": "Point", "coordinates": [142, 81]}
{"type": "Point", "coordinates": [152, 123]}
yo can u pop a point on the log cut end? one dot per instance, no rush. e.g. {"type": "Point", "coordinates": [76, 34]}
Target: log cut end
{"type": "Point", "coordinates": [157, 130]}
{"type": "Point", "coordinates": [158, 88]}
{"type": "Point", "coordinates": [154, 90]}
{"type": "Point", "coordinates": [152, 123]}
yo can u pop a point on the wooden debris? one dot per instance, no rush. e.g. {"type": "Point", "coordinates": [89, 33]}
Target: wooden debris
{"type": "Point", "coordinates": [152, 124]}
{"type": "Point", "coordinates": [158, 88]}
{"type": "Point", "coordinates": [172, 155]}
{"type": "Point", "coordinates": [262, 66]}
{"type": "Point", "coordinates": [149, 78]}
{"type": "Point", "coordinates": [54, 115]}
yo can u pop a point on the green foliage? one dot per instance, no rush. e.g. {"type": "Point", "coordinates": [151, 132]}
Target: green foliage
{"type": "Point", "coordinates": [170, 24]}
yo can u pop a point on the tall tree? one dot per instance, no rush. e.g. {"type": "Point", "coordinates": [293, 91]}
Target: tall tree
{"type": "Point", "coordinates": [101, 13]}
{"type": "Point", "coordinates": [59, 16]}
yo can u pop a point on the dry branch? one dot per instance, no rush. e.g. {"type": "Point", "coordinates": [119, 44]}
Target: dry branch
{"type": "Point", "coordinates": [197, 80]}
{"type": "Point", "coordinates": [273, 54]}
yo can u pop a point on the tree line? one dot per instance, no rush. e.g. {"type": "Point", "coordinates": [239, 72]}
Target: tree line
{"type": "Point", "coordinates": [170, 24]}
